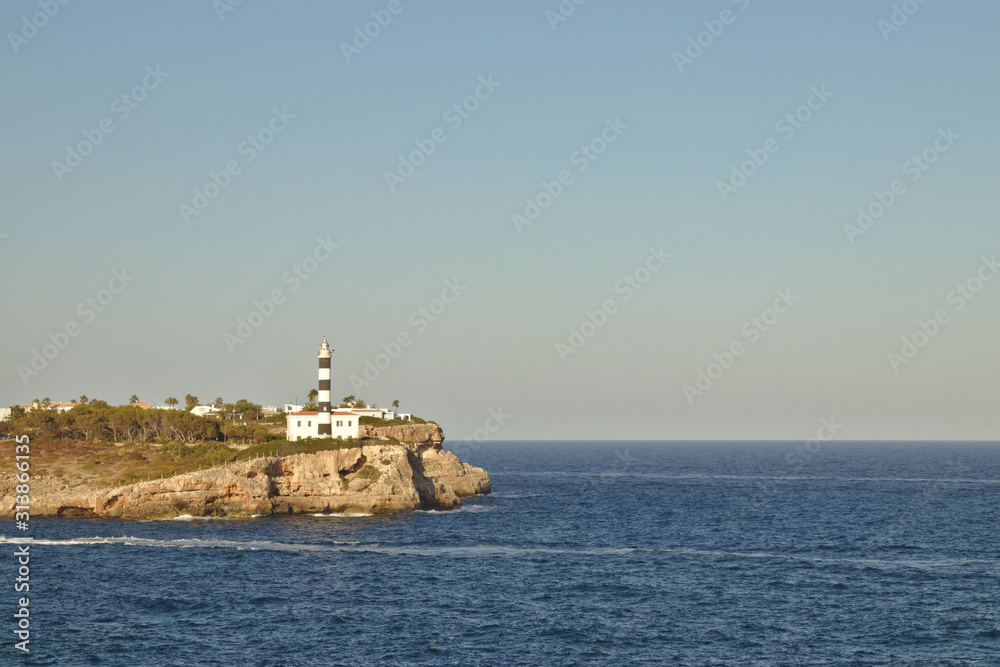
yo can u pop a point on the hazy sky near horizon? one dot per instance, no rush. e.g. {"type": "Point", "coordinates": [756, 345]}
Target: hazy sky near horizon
{"type": "Point", "coordinates": [807, 111]}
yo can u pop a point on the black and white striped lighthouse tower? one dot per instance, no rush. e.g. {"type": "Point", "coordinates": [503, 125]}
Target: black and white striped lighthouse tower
{"type": "Point", "coordinates": [325, 353]}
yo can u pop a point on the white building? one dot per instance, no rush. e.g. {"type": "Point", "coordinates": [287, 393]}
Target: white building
{"type": "Point", "coordinates": [379, 413]}
{"type": "Point", "coordinates": [305, 424]}
{"type": "Point", "coordinates": [205, 410]}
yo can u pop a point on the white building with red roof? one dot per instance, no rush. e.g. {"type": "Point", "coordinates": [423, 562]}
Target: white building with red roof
{"type": "Point", "coordinates": [305, 424]}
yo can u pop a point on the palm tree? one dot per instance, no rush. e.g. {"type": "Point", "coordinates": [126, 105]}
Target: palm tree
{"type": "Point", "coordinates": [395, 405]}
{"type": "Point", "coordinates": [46, 402]}
{"type": "Point", "coordinates": [190, 401]}
{"type": "Point", "coordinates": [83, 399]}
{"type": "Point", "coordinates": [360, 403]}
{"type": "Point", "coordinates": [229, 409]}
{"type": "Point", "coordinates": [171, 401]}
{"type": "Point", "coordinates": [348, 400]}
{"type": "Point", "coordinates": [312, 395]}
{"type": "Point", "coordinates": [218, 402]}
{"type": "Point", "coordinates": [133, 399]}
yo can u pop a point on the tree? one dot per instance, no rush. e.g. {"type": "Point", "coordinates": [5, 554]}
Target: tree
{"type": "Point", "coordinates": [88, 424]}
{"type": "Point", "coordinates": [133, 399]}
{"type": "Point", "coordinates": [218, 402]}
{"type": "Point", "coordinates": [124, 423]}
{"type": "Point", "coordinates": [190, 401]}
{"type": "Point", "coordinates": [228, 409]}
{"type": "Point", "coordinates": [395, 405]}
{"type": "Point", "coordinates": [360, 403]}
{"type": "Point", "coordinates": [349, 400]}
{"type": "Point", "coordinates": [83, 399]}
{"type": "Point", "coordinates": [171, 401]}
{"type": "Point", "coordinates": [243, 406]}
{"type": "Point", "coordinates": [312, 395]}
{"type": "Point", "coordinates": [46, 402]}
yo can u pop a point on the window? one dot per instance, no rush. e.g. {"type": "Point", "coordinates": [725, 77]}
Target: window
{"type": "Point", "coordinates": [340, 422]}
{"type": "Point", "coordinates": [348, 422]}
{"type": "Point", "coordinates": [299, 423]}
{"type": "Point", "coordinates": [309, 423]}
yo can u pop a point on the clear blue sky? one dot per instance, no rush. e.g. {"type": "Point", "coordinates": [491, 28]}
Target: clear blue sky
{"type": "Point", "coordinates": [678, 132]}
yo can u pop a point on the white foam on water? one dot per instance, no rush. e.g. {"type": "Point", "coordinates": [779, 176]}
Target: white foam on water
{"type": "Point", "coordinates": [186, 543]}
{"type": "Point", "coordinates": [476, 508]}
{"type": "Point", "coordinates": [460, 508]}
{"type": "Point", "coordinates": [343, 515]}
{"type": "Point", "coordinates": [263, 545]}
{"type": "Point", "coordinates": [483, 550]}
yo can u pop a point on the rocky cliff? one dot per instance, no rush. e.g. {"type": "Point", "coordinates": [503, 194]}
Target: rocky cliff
{"type": "Point", "coordinates": [377, 478]}
{"type": "Point", "coordinates": [417, 434]}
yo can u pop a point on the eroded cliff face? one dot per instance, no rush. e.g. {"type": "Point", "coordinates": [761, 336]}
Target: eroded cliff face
{"type": "Point", "coordinates": [372, 478]}
{"type": "Point", "coordinates": [418, 434]}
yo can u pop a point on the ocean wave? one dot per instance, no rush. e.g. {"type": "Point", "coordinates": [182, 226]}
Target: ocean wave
{"type": "Point", "coordinates": [490, 550]}
{"type": "Point", "coordinates": [477, 508]}
{"type": "Point", "coordinates": [343, 515]}
{"type": "Point", "coordinates": [459, 509]}
{"type": "Point", "coordinates": [263, 545]}
{"type": "Point", "coordinates": [184, 543]}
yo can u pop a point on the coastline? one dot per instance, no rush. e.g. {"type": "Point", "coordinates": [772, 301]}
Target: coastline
{"type": "Point", "coordinates": [375, 477]}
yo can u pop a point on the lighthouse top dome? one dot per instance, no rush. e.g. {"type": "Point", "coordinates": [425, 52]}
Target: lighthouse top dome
{"type": "Point", "coordinates": [324, 349]}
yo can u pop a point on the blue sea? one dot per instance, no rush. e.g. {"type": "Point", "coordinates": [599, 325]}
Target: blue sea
{"type": "Point", "coordinates": [585, 554]}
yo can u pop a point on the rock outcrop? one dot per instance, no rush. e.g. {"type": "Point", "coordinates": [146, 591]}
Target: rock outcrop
{"type": "Point", "coordinates": [377, 478]}
{"type": "Point", "coordinates": [417, 434]}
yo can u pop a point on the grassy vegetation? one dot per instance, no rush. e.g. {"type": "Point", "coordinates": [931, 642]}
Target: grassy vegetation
{"type": "Point", "coordinates": [369, 472]}
{"type": "Point", "coordinates": [79, 446]}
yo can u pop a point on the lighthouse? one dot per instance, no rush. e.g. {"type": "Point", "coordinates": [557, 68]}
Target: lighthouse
{"type": "Point", "coordinates": [323, 418]}
{"type": "Point", "coordinates": [323, 422]}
